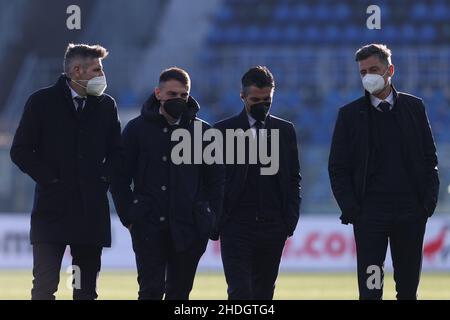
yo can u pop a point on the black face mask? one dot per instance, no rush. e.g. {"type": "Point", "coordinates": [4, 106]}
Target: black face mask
{"type": "Point", "coordinates": [175, 107]}
{"type": "Point", "coordinates": [259, 111]}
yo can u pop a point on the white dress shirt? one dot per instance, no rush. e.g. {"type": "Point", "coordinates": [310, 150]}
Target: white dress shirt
{"type": "Point", "coordinates": [75, 95]}
{"type": "Point", "coordinates": [376, 101]}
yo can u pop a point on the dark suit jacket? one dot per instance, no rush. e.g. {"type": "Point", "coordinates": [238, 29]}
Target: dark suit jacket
{"type": "Point", "coordinates": [52, 143]}
{"type": "Point", "coordinates": [350, 148]}
{"type": "Point", "coordinates": [288, 174]}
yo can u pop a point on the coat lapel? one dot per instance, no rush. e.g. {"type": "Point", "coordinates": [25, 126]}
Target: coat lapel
{"type": "Point", "coordinates": [409, 131]}
{"type": "Point", "coordinates": [363, 131]}
{"type": "Point", "coordinates": [242, 120]}
{"type": "Point", "coordinates": [67, 95]}
{"type": "Point", "coordinates": [90, 107]}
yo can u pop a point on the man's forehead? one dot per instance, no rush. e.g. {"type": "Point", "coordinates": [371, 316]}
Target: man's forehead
{"type": "Point", "coordinates": [255, 91]}
{"type": "Point", "coordinates": [93, 62]}
{"type": "Point", "coordinates": [174, 85]}
{"type": "Point", "coordinates": [372, 61]}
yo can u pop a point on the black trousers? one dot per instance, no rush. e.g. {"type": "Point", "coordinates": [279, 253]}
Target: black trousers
{"type": "Point", "coordinates": [163, 271]}
{"type": "Point", "coordinates": [399, 221]}
{"type": "Point", "coordinates": [251, 254]}
{"type": "Point", "coordinates": [47, 259]}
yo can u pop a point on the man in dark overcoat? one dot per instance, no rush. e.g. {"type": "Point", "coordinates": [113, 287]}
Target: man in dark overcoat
{"type": "Point", "coordinates": [168, 204]}
{"type": "Point", "coordinates": [384, 175]}
{"type": "Point", "coordinates": [67, 141]}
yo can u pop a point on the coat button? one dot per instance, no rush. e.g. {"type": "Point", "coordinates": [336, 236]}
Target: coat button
{"type": "Point", "coordinates": [208, 210]}
{"type": "Point", "coordinates": [135, 201]}
{"type": "Point", "coordinates": [163, 188]}
{"type": "Point", "coordinates": [164, 158]}
{"type": "Point", "coordinates": [165, 130]}
{"type": "Point", "coordinates": [162, 219]}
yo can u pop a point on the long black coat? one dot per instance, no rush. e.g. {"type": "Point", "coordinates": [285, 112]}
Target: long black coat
{"type": "Point", "coordinates": [189, 196]}
{"type": "Point", "coordinates": [288, 174]}
{"type": "Point", "coordinates": [350, 148]}
{"type": "Point", "coordinates": [52, 143]}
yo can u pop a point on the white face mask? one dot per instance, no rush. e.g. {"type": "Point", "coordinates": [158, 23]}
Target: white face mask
{"type": "Point", "coordinates": [374, 83]}
{"type": "Point", "coordinates": [94, 87]}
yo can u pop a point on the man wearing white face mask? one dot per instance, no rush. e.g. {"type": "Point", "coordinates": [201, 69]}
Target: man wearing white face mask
{"type": "Point", "coordinates": [384, 175]}
{"type": "Point", "coordinates": [68, 142]}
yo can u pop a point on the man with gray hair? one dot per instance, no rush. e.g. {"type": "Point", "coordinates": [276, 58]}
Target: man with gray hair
{"type": "Point", "coordinates": [67, 141]}
{"type": "Point", "coordinates": [384, 176]}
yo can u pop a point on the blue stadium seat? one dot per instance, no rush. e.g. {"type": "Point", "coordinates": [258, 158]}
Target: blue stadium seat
{"type": "Point", "coordinates": [440, 12]}
{"type": "Point", "coordinates": [273, 34]}
{"type": "Point", "coordinates": [322, 12]}
{"type": "Point", "coordinates": [390, 33]}
{"type": "Point", "coordinates": [331, 34]}
{"type": "Point", "coordinates": [350, 34]}
{"type": "Point", "coordinates": [342, 12]}
{"type": "Point", "coordinates": [385, 7]}
{"type": "Point", "coordinates": [419, 12]}
{"type": "Point", "coordinates": [312, 34]}
{"type": "Point", "coordinates": [301, 12]}
{"type": "Point", "coordinates": [253, 34]}
{"type": "Point", "coordinates": [292, 35]}
{"type": "Point", "coordinates": [282, 12]}
{"type": "Point", "coordinates": [427, 33]}
{"type": "Point", "coordinates": [408, 33]}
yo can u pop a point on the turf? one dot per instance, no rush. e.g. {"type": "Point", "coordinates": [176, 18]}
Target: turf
{"type": "Point", "coordinates": [212, 286]}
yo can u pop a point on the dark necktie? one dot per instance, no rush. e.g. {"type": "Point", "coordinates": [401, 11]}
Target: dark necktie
{"type": "Point", "coordinates": [384, 106]}
{"type": "Point", "coordinates": [79, 107]}
{"type": "Point", "coordinates": [258, 125]}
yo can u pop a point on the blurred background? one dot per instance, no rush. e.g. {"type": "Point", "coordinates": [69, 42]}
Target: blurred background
{"type": "Point", "coordinates": [308, 45]}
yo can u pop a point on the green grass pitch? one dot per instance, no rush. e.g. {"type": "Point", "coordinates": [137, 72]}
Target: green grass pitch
{"type": "Point", "coordinates": [211, 286]}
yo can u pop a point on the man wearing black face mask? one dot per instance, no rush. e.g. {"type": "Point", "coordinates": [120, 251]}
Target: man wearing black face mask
{"type": "Point", "coordinates": [171, 209]}
{"type": "Point", "coordinates": [260, 211]}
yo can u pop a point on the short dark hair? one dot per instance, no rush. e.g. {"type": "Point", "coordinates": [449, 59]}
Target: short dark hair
{"type": "Point", "coordinates": [83, 51]}
{"type": "Point", "coordinates": [259, 76]}
{"type": "Point", "coordinates": [175, 73]}
{"type": "Point", "coordinates": [380, 50]}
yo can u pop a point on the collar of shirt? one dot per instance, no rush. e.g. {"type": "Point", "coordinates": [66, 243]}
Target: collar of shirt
{"type": "Point", "coordinates": [376, 101]}
{"type": "Point", "coordinates": [74, 93]}
{"type": "Point", "coordinates": [176, 123]}
{"type": "Point", "coordinates": [252, 121]}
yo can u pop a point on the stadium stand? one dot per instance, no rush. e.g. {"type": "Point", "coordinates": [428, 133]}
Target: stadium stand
{"type": "Point", "coordinates": [308, 45]}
